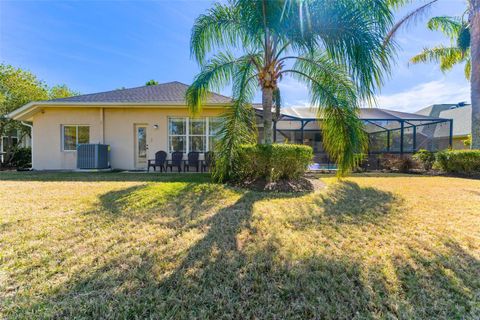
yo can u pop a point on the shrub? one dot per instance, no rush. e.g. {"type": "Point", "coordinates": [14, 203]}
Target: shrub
{"type": "Point", "coordinates": [459, 161]}
{"type": "Point", "coordinates": [468, 142]}
{"type": "Point", "coordinates": [272, 162]}
{"type": "Point", "coordinates": [397, 162]}
{"type": "Point", "coordinates": [406, 164]}
{"type": "Point", "coordinates": [426, 158]}
{"type": "Point", "coordinates": [22, 158]}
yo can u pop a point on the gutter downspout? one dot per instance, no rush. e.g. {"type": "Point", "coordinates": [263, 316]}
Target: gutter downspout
{"type": "Point", "coordinates": [102, 120]}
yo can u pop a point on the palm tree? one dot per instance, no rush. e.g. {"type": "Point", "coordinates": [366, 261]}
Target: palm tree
{"type": "Point", "coordinates": [456, 28]}
{"type": "Point", "coordinates": [464, 34]}
{"type": "Point", "coordinates": [460, 32]}
{"type": "Point", "coordinates": [333, 47]}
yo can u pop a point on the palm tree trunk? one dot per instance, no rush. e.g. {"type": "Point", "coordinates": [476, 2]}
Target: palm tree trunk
{"type": "Point", "coordinates": [475, 75]}
{"type": "Point", "coordinates": [267, 104]}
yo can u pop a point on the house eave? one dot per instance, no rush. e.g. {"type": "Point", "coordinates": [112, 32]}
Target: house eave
{"type": "Point", "coordinates": [26, 112]}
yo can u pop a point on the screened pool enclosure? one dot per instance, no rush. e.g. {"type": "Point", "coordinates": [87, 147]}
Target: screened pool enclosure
{"type": "Point", "coordinates": [388, 131]}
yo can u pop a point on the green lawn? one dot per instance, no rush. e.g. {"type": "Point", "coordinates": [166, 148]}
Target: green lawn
{"type": "Point", "coordinates": [124, 245]}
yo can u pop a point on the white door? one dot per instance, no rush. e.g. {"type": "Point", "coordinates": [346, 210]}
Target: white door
{"type": "Point", "coordinates": [141, 146]}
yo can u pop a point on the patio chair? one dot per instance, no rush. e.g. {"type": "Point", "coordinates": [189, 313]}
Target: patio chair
{"type": "Point", "coordinates": [159, 161]}
{"type": "Point", "coordinates": [176, 161]}
{"type": "Point", "coordinates": [192, 161]}
{"type": "Point", "coordinates": [208, 161]}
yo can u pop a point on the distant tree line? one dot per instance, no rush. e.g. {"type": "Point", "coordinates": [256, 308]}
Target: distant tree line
{"type": "Point", "coordinates": [17, 88]}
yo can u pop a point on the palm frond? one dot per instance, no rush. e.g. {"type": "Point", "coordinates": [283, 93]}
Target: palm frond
{"type": "Point", "coordinates": [352, 33]}
{"type": "Point", "coordinates": [344, 137]}
{"type": "Point", "coordinates": [450, 26]}
{"type": "Point", "coordinates": [214, 75]}
{"type": "Point", "coordinates": [238, 126]}
{"type": "Point", "coordinates": [446, 56]}
{"type": "Point", "coordinates": [409, 18]}
{"type": "Point", "coordinates": [459, 51]}
{"type": "Point", "coordinates": [244, 79]}
{"type": "Point", "coordinates": [261, 16]}
{"type": "Point", "coordinates": [468, 69]}
{"type": "Point", "coordinates": [335, 97]}
{"type": "Point", "coordinates": [220, 27]}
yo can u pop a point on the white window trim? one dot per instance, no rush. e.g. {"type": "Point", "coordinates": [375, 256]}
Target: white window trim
{"type": "Point", "coordinates": [62, 142]}
{"type": "Point", "coordinates": [187, 133]}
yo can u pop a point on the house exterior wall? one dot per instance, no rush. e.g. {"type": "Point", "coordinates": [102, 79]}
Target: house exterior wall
{"type": "Point", "coordinates": [119, 131]}
{"type": "Point", "coordinates": [112, 126]}
{"type": "Point", "coordinates": [47, 153]}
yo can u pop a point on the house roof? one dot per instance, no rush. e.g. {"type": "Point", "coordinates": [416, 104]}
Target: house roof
{"type": "Point", "coordinates": [462, 121]}
{"type": "Point", "coordinates": [165, 94]}
{"type": "Point", "coordinates": [461, 114]}
{"type": "Point", "coordinates": [435, 109]}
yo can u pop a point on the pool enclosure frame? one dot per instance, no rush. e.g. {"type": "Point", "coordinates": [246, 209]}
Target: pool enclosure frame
{"type": "Point", "coordinates": [374, 117]}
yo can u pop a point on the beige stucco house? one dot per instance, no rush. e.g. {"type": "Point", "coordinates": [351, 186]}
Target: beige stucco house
{"type": "Point", "coordinates": [135, 122]}
{"type": "Point", "coordinates": [138, 122]}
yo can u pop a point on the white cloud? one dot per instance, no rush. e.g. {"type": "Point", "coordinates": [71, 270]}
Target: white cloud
{"type": "Point", "coordinates": [419, 96]}
{"type": "Point", "coordinates": [292, 88]}
{"type": "Point", "coordinates": [446, 90]}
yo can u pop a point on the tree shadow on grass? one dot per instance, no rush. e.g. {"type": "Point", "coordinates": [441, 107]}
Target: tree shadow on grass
{"type": "Point", "coordinates": [443, 283]}
{"type": "Point", "coordinates": [174, 203]}
{"type": "Point", "coordinates": [348, 199]}
{"type": "Point", "coordinates": [234, 271]}
{"type": "Point", "coordinates": [128, 285]}
{"type": "Point", "coordinates": [346, 202]}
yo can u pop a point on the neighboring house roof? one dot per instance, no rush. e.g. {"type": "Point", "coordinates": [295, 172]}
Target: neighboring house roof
{"type": "Point", "coordinates": [165, 94]}
{"type": "Point", "coordinates": [460, 113]}
{"type": "Point", "coordinates": [435, 109]}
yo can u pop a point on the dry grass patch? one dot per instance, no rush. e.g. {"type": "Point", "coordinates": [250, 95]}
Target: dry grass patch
{"type": "Point", "coordinates": [164, 246]}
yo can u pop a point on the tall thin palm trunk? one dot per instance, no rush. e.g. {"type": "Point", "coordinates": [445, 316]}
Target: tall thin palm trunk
{"type": "Point", "coordinates": [475, 74]}
{"type": "Point", "coordinates": [267, 104]}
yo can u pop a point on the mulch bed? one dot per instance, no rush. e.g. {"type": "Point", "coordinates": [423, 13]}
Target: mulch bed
{"type": "Point", "coordinates": [304, 184]}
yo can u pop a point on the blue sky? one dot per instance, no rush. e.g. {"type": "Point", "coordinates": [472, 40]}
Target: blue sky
{"type": "Point", "coordinates": [96, 46]}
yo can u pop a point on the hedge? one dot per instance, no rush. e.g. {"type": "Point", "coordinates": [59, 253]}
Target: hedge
{"type": "Point", "coordinates": [459, 161]}
{"type": "Point", "coordinates": [272, 162]}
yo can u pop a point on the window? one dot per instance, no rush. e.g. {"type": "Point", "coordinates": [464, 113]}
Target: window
{"type": "Point", "coordinates": [74, 135]}
{"type": "Point", "coordinates": [192, 134]}
{"type": "Point", "coordinates": [197, 135]}
{"type": "Point", "coordinates": [177, 134]}
{"type": "Point", "coordinates": [213, 130]}
{"type": "Point", "coordinates": [6, 144]}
